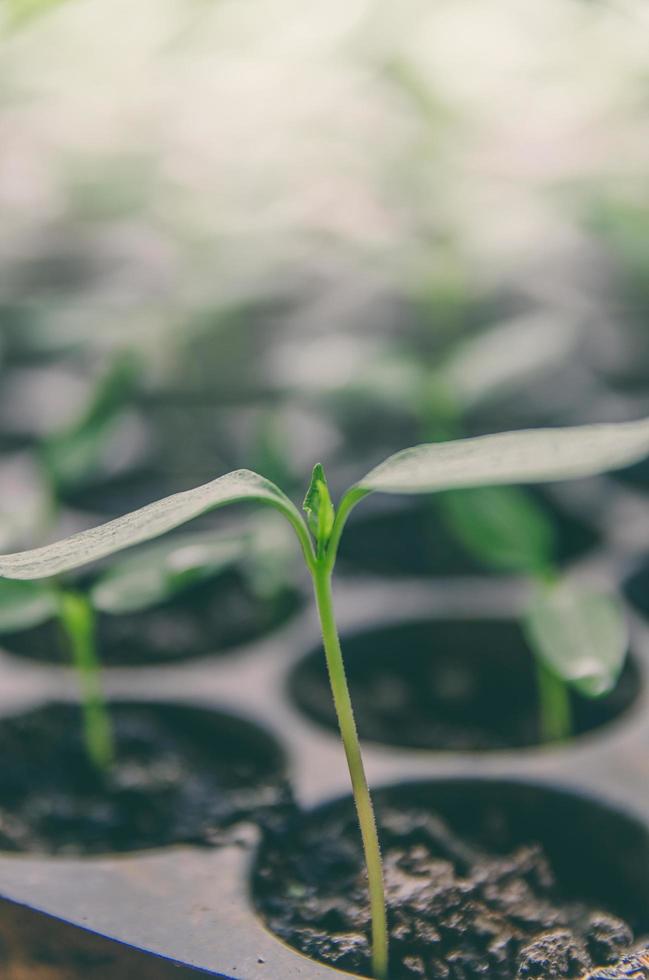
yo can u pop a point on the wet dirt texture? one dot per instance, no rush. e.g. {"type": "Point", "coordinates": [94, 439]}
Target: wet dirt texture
{"type": "Point", "coordinates": [456, 911]}
{"type": "Point", "coordinates": [170, 783]}
{"type": "Point", "coordinates": [214, 616]}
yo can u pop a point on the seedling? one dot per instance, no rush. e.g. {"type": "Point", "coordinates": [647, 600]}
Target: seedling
{"type": "Point", "coordinates": [503, 526]}
{"type": "Point", "coordinates": [25, 605]}
{"type": "Point", "coordinates": [71, 456]}
{"type": "Point", "coordinates": [515, 457]}
{"type": "Point", "coordinates": [137, 583]}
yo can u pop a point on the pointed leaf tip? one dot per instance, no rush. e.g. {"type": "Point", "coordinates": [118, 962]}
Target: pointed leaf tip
{"type": "Point", "coordinates": [318, 507]}
{"type": "Point", "coordinates": [581, 635]}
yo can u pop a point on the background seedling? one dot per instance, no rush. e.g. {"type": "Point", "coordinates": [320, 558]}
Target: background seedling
{"type": "Point", "coordinates": [75, 453]}
{"type": "Point", "coordinates": [24, 605]}
{"type": "Point", "coordinates": [503, 526]}
{"type": "Point", "coordinates": [512, 457]}
{"type": "Point", "coordinates": [139, 582]}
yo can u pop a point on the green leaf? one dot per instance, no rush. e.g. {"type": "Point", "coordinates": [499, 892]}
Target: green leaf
{"type": "Point", "coordinates": [581, 636]}
{"type": "Point", "coordinates": [145, 524]}
{"type": "Point", "coordinates": [501, 526]}
{"type": "Point", "coordinates": [20, 11]}
{"type": "Point", "coordinates": [162, 570]}
{"type": "Point", "coordinates": [318, 508]}
{"type": "Point", "coordinates": [24, 605]}
{"type": "Point", "coordinates": [72, 455]}
{"type": "Point", "coordinates": [528, 456]}
{"type": "Point", "coordinates": [504, 357]}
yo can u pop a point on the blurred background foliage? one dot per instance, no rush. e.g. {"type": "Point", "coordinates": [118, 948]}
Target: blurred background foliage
{"type": "Point", "coordinates": [260, 234]}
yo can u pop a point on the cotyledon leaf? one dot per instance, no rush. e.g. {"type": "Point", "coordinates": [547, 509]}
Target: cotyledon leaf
{"type": "Point", "coordinates": [26, 604]}
{"type": "Point", "coordinates": [525, 456]}
{"type": "Point", "coordinates": [165, 568]}
{"type": "Point", "coordinates": [502, 526]}
{"type": "Point", "coordinates": [145, 524]}
{"type": "Point", "coordinates": [506, 356]}
{"type": "Point", "coordinates": [581, 635]}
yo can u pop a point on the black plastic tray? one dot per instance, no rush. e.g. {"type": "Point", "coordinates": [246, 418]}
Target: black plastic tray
{"type": "Point", "coordinates": [193, 906]}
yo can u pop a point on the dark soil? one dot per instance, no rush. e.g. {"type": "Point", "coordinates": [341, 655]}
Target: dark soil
{"type": "Point", "coordinates": [636, 475]}
{"type": "Point", "coordinates": [182, 775]}
{"type": "Point", "coordinates": [37, 947]}
{"type": "Point", "coordinates": [210, 618]}
{"type": "Point", "coordinates": [637, 589]}
{"type": "Point", "coordinates": [482, 900]}
{"type": "Point", "coordinates": [414, 540]}
{"type": "Point", "coordinates": [456, 685]}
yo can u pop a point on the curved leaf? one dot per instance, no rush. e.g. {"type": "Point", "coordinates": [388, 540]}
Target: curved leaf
{"type": "Point", "coordinates": [527, 456]}
{"type": "Point", "coordinates": [507, 355]}
{"type": "Point", "coordinates": [164, 569]}
{"type": "Point", "coordinates": [581, 636]}
{"type": "Point", "coordinates": [76, 452]}
{"type": "Point", "coordinates": [26, 604]}
{"type": "Point", "coordinates": [144, 524]}
{"type": "Point", "coordinates": [502, 526]}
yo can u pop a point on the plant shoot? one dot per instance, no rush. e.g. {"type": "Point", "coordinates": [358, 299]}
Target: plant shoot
{"type": "Point", "coordinates": [539, 455]}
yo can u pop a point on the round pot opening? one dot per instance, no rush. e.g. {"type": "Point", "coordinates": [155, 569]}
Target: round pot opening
{"type": "Point", "coordinates": [181, 775]}
{"type": "Point", "coordinates": [636, 588]}
{"type": "Point", "coordinates": [461, 685]}
{"type": "Point", "coordinates": [213, 617]}
{"type": "Point", "coordinates": [483, 879]}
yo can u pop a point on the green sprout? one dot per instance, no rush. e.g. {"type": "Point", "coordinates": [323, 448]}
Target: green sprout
{"type": "Point", "coordinates": [503, 526]}
{"type": "Point", "coordinates": [530, 456]}
{"type": "Point", "coordinates": [136, 583]}
{"type": "Point", "coordinates": [25, 605]}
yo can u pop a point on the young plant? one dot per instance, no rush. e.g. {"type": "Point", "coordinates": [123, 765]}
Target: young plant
{"type": "Point", "coordinates": [137, 583]}
{"type": "Point", "coordinates": [26, 605]}
{"type": "Point", "coordinates": [503, 526]}
{"type": "Point", "coordinates": [513, 457]}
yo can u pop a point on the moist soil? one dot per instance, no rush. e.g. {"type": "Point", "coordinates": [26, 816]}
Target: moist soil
{"type": "Point", "coordinates": [210, 618]}
{"type": "Point", "coordinates": [414, 540]}
{"type": "Point", "coordinates": [181, 775]}
{"type": "Point", "coordinates": [449, 685]}
{"type": "Point", "coordinates": [456, 910]}
{"type": "Point", "coordinates": [37, 947]}
{"type": "Point", "coordinates": [637, 589]}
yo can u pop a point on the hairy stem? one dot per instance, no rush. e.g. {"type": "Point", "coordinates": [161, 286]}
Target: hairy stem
{"type": "Point", "coordinates": [77, 619]}
{"type": "Point", "coordinates": [342, 701]}
{"type": "Point", "coordinates": [554, 705]}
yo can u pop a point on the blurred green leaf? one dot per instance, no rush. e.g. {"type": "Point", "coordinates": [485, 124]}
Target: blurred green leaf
{"type": "Point", "coordinates": [165, 569]}
{"type": "Point", "coordinates": [580, 635]}
{"type": "Point", "coordinates": [72, 455]}
{"type": "Point", "coordinates": [501, 526]}
{"type": "Point", "coordinates": [25, 604]}
{"type": "Point", "coordinates": [20, 11]}
{"type": "Point", "coordinates": [504, 357]}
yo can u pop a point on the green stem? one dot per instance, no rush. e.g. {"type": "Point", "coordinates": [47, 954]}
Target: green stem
{"type": "Point", "coordinates": [554, 705]}
{"type": "Point", "coordinates": [322, 587]}
{"type": "Point", "coordinates": [78, 622]}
